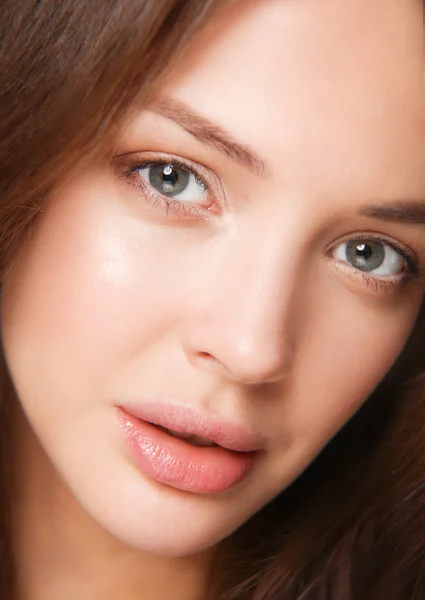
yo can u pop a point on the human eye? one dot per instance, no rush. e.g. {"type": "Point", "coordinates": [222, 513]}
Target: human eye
{"type": "Point", "coordinates": [380, 262]}
{"type": "Point", "coordinates": [181, 187]}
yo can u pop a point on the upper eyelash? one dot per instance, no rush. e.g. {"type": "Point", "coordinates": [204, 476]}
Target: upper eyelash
{"type": "Point", "coordinates": [414, 271]}
{"type": "Point", "coordinates": [411, 262]}
{"type": "Point", "coordinates": [155, 196]}
{"type": "Point", "coordinates": [174, 162]}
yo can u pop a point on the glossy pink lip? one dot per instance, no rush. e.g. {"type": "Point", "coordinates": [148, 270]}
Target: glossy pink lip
{"type": "Point", "coordinates": [175, 462]}
{"type": "Point", "coordinates": [187, 419]}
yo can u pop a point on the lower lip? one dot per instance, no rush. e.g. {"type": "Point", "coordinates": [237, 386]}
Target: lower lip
{"type": "Point", "coordinates": [170, 460]}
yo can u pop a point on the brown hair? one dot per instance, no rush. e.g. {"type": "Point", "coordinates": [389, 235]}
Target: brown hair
{"type": "Point", "coordinates": [69, 72]}
{"type": "Point", "coordinates": [350, 528]}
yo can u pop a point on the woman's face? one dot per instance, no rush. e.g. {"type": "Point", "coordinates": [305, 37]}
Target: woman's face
{"type": "Point", "coordinates": [246, 269]}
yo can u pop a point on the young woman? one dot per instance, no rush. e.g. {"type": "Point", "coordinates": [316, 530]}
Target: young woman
{"type": "Point", "coordinates": [212, 258]}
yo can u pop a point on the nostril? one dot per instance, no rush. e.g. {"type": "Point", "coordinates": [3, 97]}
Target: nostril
{"type": "Point", "coordinates": [207, 356]}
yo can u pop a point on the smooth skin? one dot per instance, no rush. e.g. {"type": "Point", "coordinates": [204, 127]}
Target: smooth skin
{"type": "Point", "coordinates": [238, 297]}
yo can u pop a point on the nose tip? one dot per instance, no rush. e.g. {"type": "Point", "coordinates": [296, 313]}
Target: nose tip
{"type": "Point", "coordinates": [246, 360]}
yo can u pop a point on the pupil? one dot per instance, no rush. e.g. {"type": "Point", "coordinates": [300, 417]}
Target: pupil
{"type": "Point", "coordinates": [364, 251]}
{"type": "Point", "coordinates": [169, 180]}
{"type": "Point", "coordinates": [170, 176]}
{"type": "Point", "coordinates": [365, 256]}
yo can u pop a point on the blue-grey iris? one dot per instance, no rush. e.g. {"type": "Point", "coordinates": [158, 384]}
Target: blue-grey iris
{"type": "Point", "coordinates": [365, 255]}
{"type": "Point", "coordinates": [168, 179]}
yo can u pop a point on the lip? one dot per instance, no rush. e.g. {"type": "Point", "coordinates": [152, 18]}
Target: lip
{"type": "Point", "coordinates": [187, 419]}
{"type": "Point", "coordinates": [179, 464]}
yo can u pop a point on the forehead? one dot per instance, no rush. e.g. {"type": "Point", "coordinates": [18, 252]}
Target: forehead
{"type": "Point", "coordinates": [336, 82]}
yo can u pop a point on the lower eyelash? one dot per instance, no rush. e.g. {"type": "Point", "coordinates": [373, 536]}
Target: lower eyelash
{"type": "Point", "coordinates": [156, 199]}
{"type": "Point", "coordinates": [385, 285]}
{"type": "Point", "coordinates": [168, 202]}
{"type": "Point", "coordinates": [413, 271]}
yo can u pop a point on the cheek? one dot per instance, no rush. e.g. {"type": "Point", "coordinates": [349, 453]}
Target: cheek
{"type": "Point", "coordinates": [91, 290]}
{"type": "Point", "coordinates": [347, 346]}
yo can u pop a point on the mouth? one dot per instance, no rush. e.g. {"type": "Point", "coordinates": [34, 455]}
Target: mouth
{"type": "Point", "coordinates": [181, 457]}
{"type": "Point", "coordinates": [190, 438]}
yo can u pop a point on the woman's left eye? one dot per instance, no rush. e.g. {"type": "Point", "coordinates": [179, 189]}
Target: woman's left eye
{"type": "Point", "coordinates": [175, 182]}
{"type": "Point", "coordinates": [373, 257]}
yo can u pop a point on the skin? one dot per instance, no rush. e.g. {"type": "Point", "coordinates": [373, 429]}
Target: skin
{"type": "Point", "coordinates": [247, 311]}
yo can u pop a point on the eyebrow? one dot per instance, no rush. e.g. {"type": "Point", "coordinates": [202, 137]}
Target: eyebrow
{"type": "Point", "coordinates": [210, 133]}
{"type": "Point", "coordinates": [407, 212]}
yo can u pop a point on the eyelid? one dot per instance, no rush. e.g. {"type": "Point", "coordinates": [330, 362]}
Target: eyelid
{"type": "Point", "coordinates": [414, 272]}
{"type": "Point", "coordinates": [405, 252]}
{"type": "Point", "coordinates": [129, 163]}
{"type": "Point", "coordinates": [378, 283]}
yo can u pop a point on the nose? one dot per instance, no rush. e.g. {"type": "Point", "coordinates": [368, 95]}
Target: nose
{"type": "Point", "coordinates": [245, 331]}
{"type": "Point", "coordinates": [244, 356]}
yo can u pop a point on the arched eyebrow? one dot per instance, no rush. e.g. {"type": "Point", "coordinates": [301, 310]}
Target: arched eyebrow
{"type": "Point", "coordinates": [210, 133]}
{"type": "Point", "coordinates": [407, 212]}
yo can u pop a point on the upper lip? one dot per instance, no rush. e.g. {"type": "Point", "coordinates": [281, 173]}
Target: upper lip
{"type": "Point", "coordinates": [191, 420]}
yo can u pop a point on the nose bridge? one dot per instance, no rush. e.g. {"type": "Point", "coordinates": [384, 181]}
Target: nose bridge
{"type": "Point", "coordinates": [261, 282]}
{"type": "Point", "coordinates": [248, 328]}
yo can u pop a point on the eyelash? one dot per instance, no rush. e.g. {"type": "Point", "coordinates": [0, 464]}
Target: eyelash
{"type": "Point", "coordinates": [189, 210]}
{"type": "Point", "coordinates": [413, 271]}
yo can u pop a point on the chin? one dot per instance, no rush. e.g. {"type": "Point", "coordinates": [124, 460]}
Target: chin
{"type": "Point", "coordinates": [168, 539]}
{"type": "Point", "coordinates": [160, 520]}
